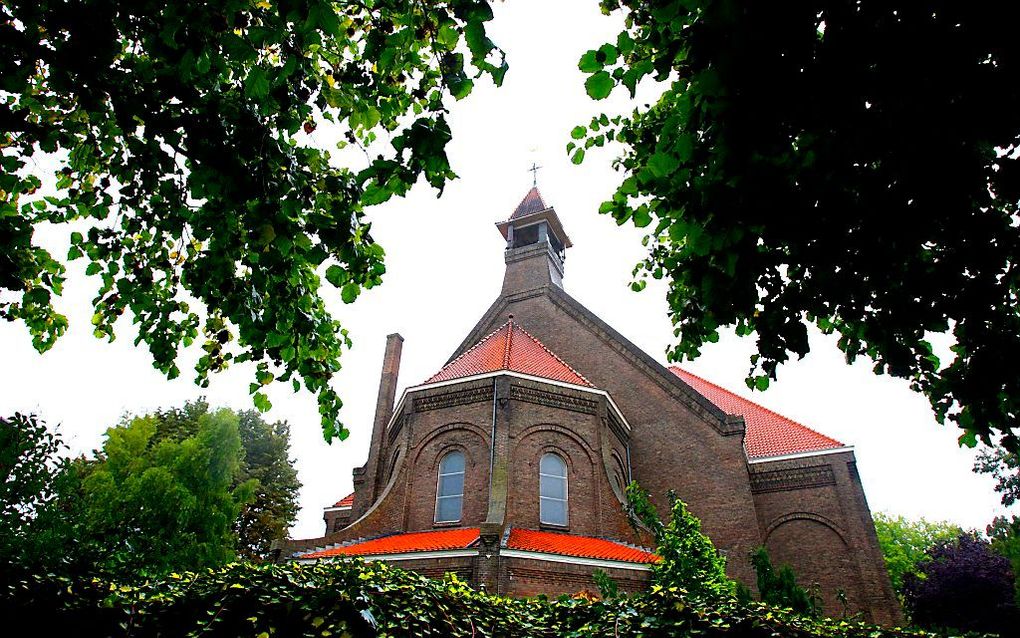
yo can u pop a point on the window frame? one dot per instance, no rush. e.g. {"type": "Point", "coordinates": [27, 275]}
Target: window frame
{"type": "Point", "coordinates": [439, 481]}
{"type": "Point", "coordinates": [566, 491]}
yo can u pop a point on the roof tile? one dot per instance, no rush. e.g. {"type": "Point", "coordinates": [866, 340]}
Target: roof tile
{"type": "Point", "coordinates": [520, 539]}
{"type": "Point", "coordinates": [510, 348]}
{"type": "Point", "coordinates": [430, 541]}
{"type": "Point", "coordinates": [346, 501]}
{"type": "Point", "coordinates": [768, 433]}
{"type": "Point", "coordinates": [532, 203]}
{"type": "Point", "coordinates": [579, 546]}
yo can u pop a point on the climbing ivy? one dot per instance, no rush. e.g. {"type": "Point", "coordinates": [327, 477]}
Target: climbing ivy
{"type": "Point", "coordinates": [355, 599]}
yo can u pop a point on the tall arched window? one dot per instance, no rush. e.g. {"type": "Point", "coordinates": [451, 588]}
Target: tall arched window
{"type": "Point", "coordinates": [450, 491]}
{"type": "Point", "coordinates": [552, 499]}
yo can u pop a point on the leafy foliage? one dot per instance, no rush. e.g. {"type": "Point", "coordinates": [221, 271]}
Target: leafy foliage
{"type": "Point", "coordinates": [153, 508]}
{"type": "Point", "coordinates": [850, 165]}
{"type": "Point", "coordinates": [139, 508]}
{"type": "Point", "coordinates": [779, 588]}
{"type": "Point", "coordinates": [1004, 532]}
{"type": "Point", "coordinates": [31, 472]}
{"type": "Point", "coordinates": [347, 598]}
{"type": "Point", "coordinates": [188, 168]}
{"type": "Point", "coordinates": [273, 507]}
{"type": "Point", "coordinates": [963, 585]}
{"type": "Point", "coordinates": [905, 543]}
{"type": "Point", "coordinates": [690, 562]}
{"type": "Point", "coordinates": [1005, 469]}
{"type": "Point", "coordinates": [1004, 535]}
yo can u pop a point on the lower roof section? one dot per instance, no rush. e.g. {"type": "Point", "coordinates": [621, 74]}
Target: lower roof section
{"type": "Point", "coordinates": [403, 543]}
{"type": "Point", "coordinates": [524, 543]}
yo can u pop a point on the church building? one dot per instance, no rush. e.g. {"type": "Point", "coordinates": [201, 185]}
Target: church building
{"type": "Point", "coordinates": [508, 466]}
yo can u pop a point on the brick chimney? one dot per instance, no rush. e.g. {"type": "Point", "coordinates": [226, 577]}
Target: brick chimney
{"type": "Point", "coordinates": [383, 412]}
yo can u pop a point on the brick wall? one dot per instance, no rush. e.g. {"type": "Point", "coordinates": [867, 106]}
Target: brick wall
{"type": "Point", "coordinates": [813, 516]}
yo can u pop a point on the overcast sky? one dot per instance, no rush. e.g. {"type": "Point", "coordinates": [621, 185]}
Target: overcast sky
{"type": "Point", "coordinates": [445, 266]}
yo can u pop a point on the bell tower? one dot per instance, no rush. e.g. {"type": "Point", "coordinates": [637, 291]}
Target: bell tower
{"type": "Point", "coordinates": [536, 245]}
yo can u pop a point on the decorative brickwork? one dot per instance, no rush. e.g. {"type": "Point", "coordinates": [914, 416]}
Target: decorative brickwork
{"type": "Point", "coordinates": [796, 478]}
{"type": "Point", "coordinates": [453, 399]}
{"type": "Point", "coordinates": [553, 399]}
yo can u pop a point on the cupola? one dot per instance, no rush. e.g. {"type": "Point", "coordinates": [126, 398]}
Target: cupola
{"type": "Point", "coordinates": [536, 245]}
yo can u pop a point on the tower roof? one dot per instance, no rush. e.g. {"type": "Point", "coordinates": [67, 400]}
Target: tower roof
{"type": "Point", "coordinates": [532, 210]}
{"type": "Point", "coordinates": [768, 433]}
{"type": "Point", "coordinates": [513, 349]}
{"type": "Point", "coordinates": [532, 203]}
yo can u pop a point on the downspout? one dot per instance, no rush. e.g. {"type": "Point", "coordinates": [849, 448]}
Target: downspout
{"type": "Point", "coordinates": [492, 436]}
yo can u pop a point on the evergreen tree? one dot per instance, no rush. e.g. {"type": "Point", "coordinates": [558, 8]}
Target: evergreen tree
{"type": "Point", "coordinates": [780, 588]}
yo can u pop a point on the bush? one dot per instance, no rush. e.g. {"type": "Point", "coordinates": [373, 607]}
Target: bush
{"type": "Point", "coordinates": [963, 585]}
{"type": "Point", "coordinates": [355, 599]}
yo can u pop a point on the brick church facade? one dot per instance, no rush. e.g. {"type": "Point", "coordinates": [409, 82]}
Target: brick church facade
{"type": "Point", "coordinates": [508, 466]}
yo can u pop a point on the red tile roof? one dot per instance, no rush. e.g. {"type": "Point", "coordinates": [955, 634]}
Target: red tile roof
{"type": "Point", "coordinates": [579, 546]}
{"type": "Point", "coordinates": [404, 543]}
{"type": "Point", "coordinates": [768, 433]}
{"type": "Point", "coordinates": [510, 348]}
{"type": "Point", "coordinates": [346, 501]}
{"type": "Point", "coordinates": [532, 203]}
{"type": "Point", "coordinates": [520, 539]}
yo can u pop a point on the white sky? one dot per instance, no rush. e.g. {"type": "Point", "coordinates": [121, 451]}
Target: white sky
{"type": "Point", "coordinates": [445, 266]}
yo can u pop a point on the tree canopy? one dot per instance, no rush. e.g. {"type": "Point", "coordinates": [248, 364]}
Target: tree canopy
{"type": "Point", "coordinates": [848, 165]}
{"type": "Point", "coordinates": [186, 162]}
{"type": "Point", "coordinates": [140, 506]}
{"type": "Point", "coordinates": [905, 543]}
{"type": "Point", "coordinates": [271, 511]}
{"type": "Point", "coordinates": [852, 166]}
{"type": "Point", "coordinates": [963, 585]}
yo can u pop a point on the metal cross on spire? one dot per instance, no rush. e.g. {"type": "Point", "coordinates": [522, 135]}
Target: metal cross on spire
{"type": "Point", "coordinates": [534, 174]}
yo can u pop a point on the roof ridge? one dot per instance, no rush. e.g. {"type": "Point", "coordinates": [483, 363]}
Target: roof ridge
{"type": "Point", "coordinates": [509, 341]}
{"type": "Point", "coordinates": [526, 204]}
{"type": "Point", "coordinates": [467, 352]}
{"type": "Point", "coordinates": [554, 355]}
{"type": "Point", "coordinates": [758, 405]}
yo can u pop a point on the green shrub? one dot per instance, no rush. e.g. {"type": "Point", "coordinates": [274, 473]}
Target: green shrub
{"type": "Point", "coordinates": [352, 599]}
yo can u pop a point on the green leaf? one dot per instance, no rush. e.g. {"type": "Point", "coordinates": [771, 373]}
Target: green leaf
{"type": "Point", "coordinates": [336, 275]}
{"type": "Point", "coordinates": [578, 132]}
{"type": "Point", "coordinates": [662, 164]}
{"type": "Point", "coordinates": [448, 36]}
{"type": "Point", "coordinates": [261, 402]}
{"type": "Point", "coordinates": [578, 156]}
{"type": "Point", "coordinates": [588, 63]}
{"type": "Point", "coordinates": [256, 85]}
{"type": "Point", "coordinates": [599, 86]}
{"type": "Point", "coordinates": [968, 438]}
{"type": "Point", "coordinates": [607, 54]}
{"type": "Point", "coordinates": [350, 292]}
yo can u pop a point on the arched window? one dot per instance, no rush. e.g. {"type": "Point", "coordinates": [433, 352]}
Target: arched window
{"type": "Point", "coordinates": [552, 499]}
{"type": "Point", "coordinates": [450, 491]}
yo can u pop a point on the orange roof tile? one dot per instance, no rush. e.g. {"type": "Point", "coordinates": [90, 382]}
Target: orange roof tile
{"type": "Point", "coordinates": [579, 546]}
{"type": "Point", "coordinates": [510, 348]}
{"type": "Point", "coordinates": [768, 433]}
{"type": "Point", "coordinates": [404, 543]}
{"type": "Point", "coordinates": [532, 203]}
{"type": "Point", "coordinates": [346, 501]}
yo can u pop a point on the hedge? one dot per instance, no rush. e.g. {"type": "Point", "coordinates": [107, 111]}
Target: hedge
{"type": "Point", "coordinates": [352, 599]}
